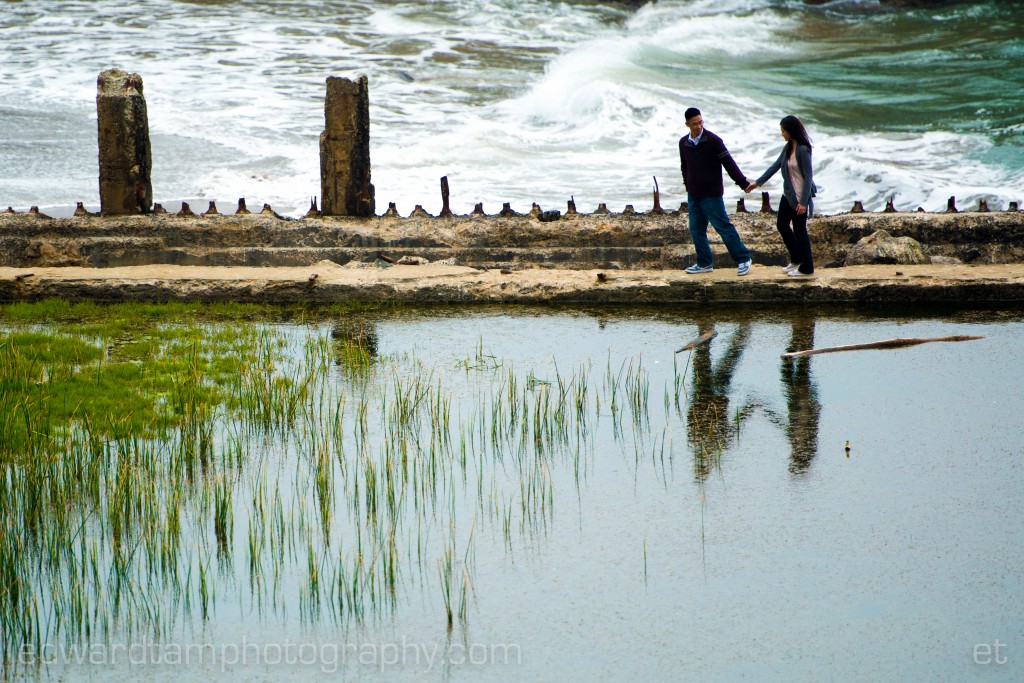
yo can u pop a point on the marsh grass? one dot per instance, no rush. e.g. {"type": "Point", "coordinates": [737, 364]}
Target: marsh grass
{"type": "Point", "coordinates": [157, 460]}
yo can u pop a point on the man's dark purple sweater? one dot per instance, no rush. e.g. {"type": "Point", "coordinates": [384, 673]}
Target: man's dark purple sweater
{"type": "Point", "coordinates": [702, 166]}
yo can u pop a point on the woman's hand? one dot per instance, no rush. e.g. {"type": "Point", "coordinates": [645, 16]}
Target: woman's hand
{"type": "Point", "coordinates": [750, 188]}
{"type": "Point", "coordinates": [801, 209]}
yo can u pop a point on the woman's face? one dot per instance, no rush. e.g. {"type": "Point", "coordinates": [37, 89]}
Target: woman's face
{"type": "Point", "coordinates": [785, 134]}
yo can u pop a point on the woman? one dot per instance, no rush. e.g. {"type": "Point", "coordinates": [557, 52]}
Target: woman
{"type": "Point", "coordinates": [797, 190]}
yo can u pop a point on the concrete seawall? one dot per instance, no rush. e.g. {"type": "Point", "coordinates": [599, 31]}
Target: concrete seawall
{"type": "Point", "coordinates": [969, 257]}
{"type": "Point", "coordinates": [580, 241]}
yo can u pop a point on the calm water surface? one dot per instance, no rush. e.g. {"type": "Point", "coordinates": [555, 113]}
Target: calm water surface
{"type": "Point", "coordinates": [732, 536]}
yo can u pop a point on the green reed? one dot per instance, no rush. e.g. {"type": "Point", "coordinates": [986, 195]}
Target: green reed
{"type": "Point", "coordinates": [317, 463]}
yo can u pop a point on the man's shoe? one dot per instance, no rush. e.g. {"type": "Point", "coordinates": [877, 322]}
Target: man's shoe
{"type": "Point", "coordinates": [695, 269]}
{"type": "Point", "coordinates": [790, 267]}
{"type": "Point", "coordinates": [744, 268]}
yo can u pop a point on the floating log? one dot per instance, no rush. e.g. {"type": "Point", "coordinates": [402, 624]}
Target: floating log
{"type": "Point", "coordinates": [699, 341]}
{"type": "Point", "coordinates": [897, 343]}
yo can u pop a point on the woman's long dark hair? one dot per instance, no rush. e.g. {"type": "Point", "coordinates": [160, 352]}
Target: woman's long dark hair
{"type": "Point", "coordinates": [797, 133]}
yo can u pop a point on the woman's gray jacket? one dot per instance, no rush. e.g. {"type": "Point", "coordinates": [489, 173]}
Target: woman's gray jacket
{"type": "Point", "coordinates": [803, 162]}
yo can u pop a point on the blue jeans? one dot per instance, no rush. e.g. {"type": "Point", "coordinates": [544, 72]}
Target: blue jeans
{"type": "Point", "coordinates": [713, 209]}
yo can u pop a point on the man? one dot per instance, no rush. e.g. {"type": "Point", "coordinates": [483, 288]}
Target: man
{"type": "Point", "coordinates": [702, 155]}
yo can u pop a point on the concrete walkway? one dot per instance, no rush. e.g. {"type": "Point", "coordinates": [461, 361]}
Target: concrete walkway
{"type": "Point", "coordinates": [329, 282]}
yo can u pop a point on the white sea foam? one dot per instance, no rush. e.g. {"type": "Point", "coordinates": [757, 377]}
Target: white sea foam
{"type": "Point", "coordinates": [513, 101]}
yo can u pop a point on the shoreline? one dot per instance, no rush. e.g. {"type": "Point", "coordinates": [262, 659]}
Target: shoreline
{"type": "Point", "coordinates": [327, 282]}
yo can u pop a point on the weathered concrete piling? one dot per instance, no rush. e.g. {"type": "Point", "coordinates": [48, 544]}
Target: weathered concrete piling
{"type": "Point", "coordinates": [125, 154]}
{"type": "Point", "coordinates": [345, 149]}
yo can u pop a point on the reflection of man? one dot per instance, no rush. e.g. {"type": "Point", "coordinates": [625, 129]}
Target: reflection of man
{"type": "Point", "coordinates": [801, 398]}
{"type": "Point", "coordinates": [708, 421]}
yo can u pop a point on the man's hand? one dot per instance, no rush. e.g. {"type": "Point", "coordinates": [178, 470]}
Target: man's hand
{"type": "Point", "coordinates": [750, 188]}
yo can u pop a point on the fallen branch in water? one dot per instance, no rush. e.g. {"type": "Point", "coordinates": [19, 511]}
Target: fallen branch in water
{"type": "Point", "coordinates": [887, 344]}
{"type": "Point", "coordinates": [702, 339]}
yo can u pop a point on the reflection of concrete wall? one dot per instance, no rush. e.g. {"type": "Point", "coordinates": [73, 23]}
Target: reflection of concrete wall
{"type": "Point", "coordinates": [355, 343]}
{"type": "Point", "coordinates": [124, 151]}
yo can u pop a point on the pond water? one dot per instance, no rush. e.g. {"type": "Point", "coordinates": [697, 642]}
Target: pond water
{"type": "Point", "coordinates": [542, 494]}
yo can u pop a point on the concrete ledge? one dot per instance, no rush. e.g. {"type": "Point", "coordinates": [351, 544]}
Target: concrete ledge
{"type": "Point", "coordinates": [459, 284]}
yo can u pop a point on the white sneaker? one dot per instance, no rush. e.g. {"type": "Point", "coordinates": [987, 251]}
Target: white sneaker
{"type": "Point", "coordinates": [791, 266]}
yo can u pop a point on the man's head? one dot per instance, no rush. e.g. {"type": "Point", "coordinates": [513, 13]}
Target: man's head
{"type": "Point", "coordinates": [694, 121]}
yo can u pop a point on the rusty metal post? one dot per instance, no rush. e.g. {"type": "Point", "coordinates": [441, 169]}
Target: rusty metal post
{"type": "Point", "coordinates": [657, 199]}
{"type": "Point", "coordinates": [446, 211]}
{"type": "Point", "coordinates": [125, 155]}
{"type": "Point", "coordinates": [345, 188]}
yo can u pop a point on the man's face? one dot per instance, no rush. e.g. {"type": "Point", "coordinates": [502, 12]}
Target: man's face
{"type": "Point", "coordinates": [696, 126]}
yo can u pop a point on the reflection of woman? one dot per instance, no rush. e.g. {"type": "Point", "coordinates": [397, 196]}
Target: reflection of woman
{"type": "Point", "coordinates": [797, 192]}
{"type": "Point", "coordinates": [801, 398]}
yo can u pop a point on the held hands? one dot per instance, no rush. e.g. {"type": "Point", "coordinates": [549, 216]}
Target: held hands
{"type": "Point", "coordinates": [750, 188]}
{"type": "Point", "coordinates": [801, 209]}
